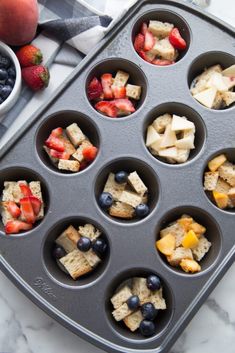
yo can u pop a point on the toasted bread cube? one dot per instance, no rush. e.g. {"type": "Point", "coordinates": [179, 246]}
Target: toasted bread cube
{"type": "Point", "coordinates": [8, 191]}
{"type": "Point", "coordinates": [78, 155]}
{"type": "Point", "coordinates": [156, 298]}
{"type": "Point", "coordinates": [185, 222]}
{"type": "Point", "coordinates": [160, 29]}
{"type": "Point", "coordinates": [121, 210]}
{"type": "Point", "coordinates": [89, 231]}
{"type": "Point", "coordinates": [176, 230]}
{"type": "Point", "coordinates": [133, 321]}
{"type": "Point", "coordinates": [114, 188]}
{"type": "Point", "coordinates": [139, 287]}
{"type": "Point", "coordinates": [35, 187]}
{"type": "Point", "coordinates": [121, 312]}
{"type": "Point", "coordinates": [152, 136]}
{"type": "Point", "coordinates": [227, 172]}
{"type": "Point", "coordinates": [121, 79]}
{"type": "Point", "coordinates": [216, 162]}
{"type": "Point", "coordinates": [228, 98]}
{"type": "Point", "coordinates": [72, 234]}
{"type": "Point", "coordinates": [121, 297]}
{"type": "Point", "coordinates": [161, 123]}
{"type": "Point", "coordinates": [220, 199]}
{"type": "Point", "coordinates": [133, 91]}
{"type": "Point", "coordinates": [75, 134]}
{"type": "Point", "coordinates": [137, 183]}
{"type": "Point", "coordinates": [69, 147]}
{"type": "Point", "coordinates": [71, 166]}
{"type": "Point", "coordinates": [182, 155]}
{"type": "Point", "coordinates": [197, 228]}
{"type": "Point", "coordinates": [92, 258]}
{"type": "Point", "coordinates": [201, 249]}
{"type": "Point", "coordinates": [166, 245]}
{"type": "Point", "coordinates": [130, 198]}
{"type": "Point", "coordinates": [68, 239]}
{"type": "Point", "coordinates": [231, 195]}
{"type": "Point", "coordinates": [218, 102]}
{"type": "Point", "coordinates": [6, 216]}
{"type": "Point", "coordinates": [190, 240]}
{"type": "Point", "coordinates": [178, 255]}
{"type": "Point", "coordinates": [222, 186]}
{"type": "Point", "coordinates": [164, 49]}
{"type": "Point", "coordinates": [76, 264]}
{"type": "Point", "coordinates": [188, 265]}
{"type": "Point", "coordinates": [53, 159]}
{"type": "Point", "coordinates": [210, 180]}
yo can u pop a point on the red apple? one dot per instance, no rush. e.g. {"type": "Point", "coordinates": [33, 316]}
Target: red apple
{"type": "Point", "coordinates": [18, 21]}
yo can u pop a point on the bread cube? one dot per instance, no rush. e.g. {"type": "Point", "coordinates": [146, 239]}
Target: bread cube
{"type": "Point", "coordinates": [156, 298]}
{"type": "Point", "coordinates": [201, 249]}
{"type": "Point", "coordinates": [228, 98]}
{"type": "Point", "coordinates": [160, 29]}
{"type": "Point", "coordinates": [182, 155]}
{"type": "Point", "coordinates": [133, 91]}
{"type": "Point", "coordinates": [75, 134]}
{"type": "Point", "coordinates": [176, 230]}
{"type": "Point", "coordinates": [137, 183]}
{"type": "Point", "coordinates": [121, 297]}
{"type": "Point", "coordinates": [161, 123]}
{"type": "Point", "coordinates": [69, 165]}
{"type": "Point", "coordinates": [197, 228]}
{"type": "Point", "coordinates": [133, 320]}
{"type": "Point", "coordinates": [76, 264]}
{"type": "Point", "coordinates": [72, 234]}
{"type": "Point", "coordinates": [53, 159]}
{"type": "Point", "coordinates": [210, 180]}
{"type": "Point", "coordinates": [78, 155]}
{"type": "Point", "coordinates": [164, 49]}
{"type": "Point", "coordinates": [130, 198]}
{"type": "Point", "coordinates": [231, 195]}
{"type": "Point", "coordinates": [121, 79]}
{"type": "Point", "coordinates": [121, 210]}
{"type": "Point", "coordinates": [115, 189]}
{"type": "Point", "coordinates": [185, 221]}
{"type": "Point", "coordinates": [178, 255]}
{"type": "Point", "coordinates": [6, 215]}
{"type": "Point", "coordinates": [139, 287]}
{"type": "Point", "coordinates": [35, 187]}
{"type": "Point", "coordinates": [227, 172]}
{"type": "Point", "coordinates": [66, 239]}
{"type": "Point", "coordinates": [89, 231]}
{"type": "Point", "coordinates": [69, 147]}
{"type": "Point", "coordinates": [188, 265]}
{"type": "Point", "coordinates": [121, 312]}
{"type": "Point", "coordinates": [92, 258]}
{"type": "Point", "coordinates": [222, 186]}
{"type": "Point", "coordinates": [216, 162]}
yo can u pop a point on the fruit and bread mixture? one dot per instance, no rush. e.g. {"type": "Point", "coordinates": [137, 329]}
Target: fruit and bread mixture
{"type": "Point", "coordinates": [114, 96]}
{"type": "Point", "coordinates": [137, 304]}
{"type": "Point", "coordinates": [171, 137]}
{"type": "Point", "coordinates": [184, 243]}
{"type": "Point", "coordinates": [22, 205]}
{"type": "Point", "coordinates": [159, 43]}
{"type": "Point", "coordinates": [7, 77]}
{"type": "Point", "coordinates": [79, 251]}
{"type": "Point", "coordinates": [219, 182]}
{"type": "Point", "coordinates": [214, 88]}
{"type": "Point", "coordinates": [69, 149]}
{"type": "Point", "coordinates": [125, 196]}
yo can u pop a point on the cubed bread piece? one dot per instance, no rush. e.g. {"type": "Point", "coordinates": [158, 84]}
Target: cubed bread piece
{"type": "Point", "coordinates": [133, 321]}
{"type": "Point", "coordinates": [227, 172]}
{"type": "Point", "coordinates": [76, 264]}
{"type": "Point", "coordinates": [231, 195]}
{"type": "Point", "coordinates": [89, 231]}
{"type": "Point", "coordinates": [216, 162]}
{"type": "Point", "coordinates": [78, 155]}
{"type": "Point", "coordinates": [133, 91]}
{"type": "Point", "coordinates": [228, 98]}
{"type": "Point", "coordinates": [188, 265]}
{"type": "Point", "coordinates": [72, 234]}
{"type": "Point", "coordinates": [161, 122]}
{"type": "Point", "coordinates": [164, 49]}
{"type": "Point", "coordinates": [130, 198]}
{"type": "Point", "coordinates": [200, 82]}
{"type": "Point", "coordinates": [201, 249]}
{"type": "Point", "coordinates": [121, 312]}
{"type": "Point", "coordinates": [75, 134]}
{"type": "Point", "coordinates": [160, 29]}
{"type": "Point", "coordinates": [185, 221]}
{"type": "Point", "coordinates": [69, 147]}
{"type": "Point", "coordinates": [8, 191]}
{"type": "Point", "coordinates": [71, 166]}
{"type": "Point", "coordinates": [222, 186]}
{"type": "Point", "coordinates": [121, 297]}
{"type": "Point", "coordinates": [176, 230]}
{"type": "Point", "coordinates": [210, 180]}
{"type": "Point", "coordinates": [178, 255]}
{"type": "Point", "coordinates": [92, 258]}
{"type": "Point", "coordinates": [121, 78]}
{"type": "Point", "coordinates": [35, 187]}
{"type": "Point", "coordinates": [198, 228]}
{"type": "Point", "coordinates": [121, 210]}
{"type": "Point", "coordinates": [156, 298]}
{"type": "Point", "coordinates": [182, 155]}
{"type": "Point", "coordinates": [218, 102]}
{"type": "Point", "coordinates": [137, 183]}
{"type": "Point", "coordinates": [68, 239]}
{"type": "Point", "coordinates": [6, 216]}
{"type": "Point", "coordinates": [53, 159]}
{"type": "Point", "coordinates": [139, 287]}
{"type": "Point", "coordinates": [115, 189]}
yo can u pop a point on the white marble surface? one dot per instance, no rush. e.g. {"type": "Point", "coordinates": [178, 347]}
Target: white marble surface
{"type": "Point", "coordinates": [26, 329]}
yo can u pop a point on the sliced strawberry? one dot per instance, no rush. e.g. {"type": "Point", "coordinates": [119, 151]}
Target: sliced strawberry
{"type": "Point", "coordinates": [25, 189]}
{"type": "Point", "coordinates": [139, 42]}
{"type": "Point", "coordinates": [89, 153]}
{"type": "Point", "coordinates": [144, 28]}
{"type": "Point", "coordinates": [27, 210]}
{"type": "Point", "coordinates": [144, 56]}
{"type": "Point", "coordinates": [57, 132]}
{"type": "Point", "coordinates": [176, 40]}
{"type": "Point", "coordinates": [149, 41]}
{"type": "Point", "coordinates": [107, 108]}
{"type": "Point", "coordinates": [59, 155]}
{"type": "Point", "coordinates": [119, 92]}
{"type": "Point", "coordinates": [36, 204]}
{"type": "Point", "coordinates": [13, 209]}
{"type": "Point", "coordinates": [162, 62]}
{"type": "Point", "coordinates": [124, 106]}
{"type": "Point", "coordinates": [95, 89]}
{"type": "Point", "coordinates": [55, 144]}
{"type": "Point", "coordinates": [14, 227]}
{"type": "Point", "coordinates": [107, 81]}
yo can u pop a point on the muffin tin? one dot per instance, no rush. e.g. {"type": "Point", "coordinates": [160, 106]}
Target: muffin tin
{"type": "Point", "coordinates": [176, 189]}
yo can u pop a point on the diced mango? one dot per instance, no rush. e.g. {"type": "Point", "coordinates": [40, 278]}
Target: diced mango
{"type": "Point", "coordinates": [190, 240]}
{"type": "Point", "coordinates": [166, 245]}
{"type": "Point", "coordinates": [197, 228]}
{"type": "Point", "coordinates": [220, 199]}
{"type": "Point", "coordinates": [188, 265]}
{"type": "Point", "coordinates": [216, 162]}
{"type": "Point", "coordinates": [185, 222]}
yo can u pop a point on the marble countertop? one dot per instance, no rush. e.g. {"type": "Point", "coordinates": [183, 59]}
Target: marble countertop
{"type": "Point", "coordinates": [24, 328]}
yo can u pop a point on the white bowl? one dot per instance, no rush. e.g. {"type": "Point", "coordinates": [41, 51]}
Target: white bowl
{"type": "Point", "coordinates": [12, 98]}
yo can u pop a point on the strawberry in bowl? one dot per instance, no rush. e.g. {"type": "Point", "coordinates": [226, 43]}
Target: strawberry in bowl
{"type": "Point", "coordinates": [113, 96]}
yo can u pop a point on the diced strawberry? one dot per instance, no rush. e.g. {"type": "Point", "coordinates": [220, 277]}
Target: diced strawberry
{"type": "Point", "coordinates": [125, 106]}
{"type": "Point", "coordinates": [59, 155]}
{"type": "Point", "coordinates": [57, 132]}
{"type": "Point", "coordinates": [89, 153]}
{"type": "Point", "coordinates": [119, 92]}
{"type": "Point", "coordinates": [95, 89]}
{"type": "Point", "coordinates": [13, 209]}
{"type": "Point", "coordinates": [161, 62]}
{"type": "Point", "coordinates": [176, 40]}
{"type": "Point", "coordinates": [144, 28]}
{"type": "Point", "coordinates": [107, 81]}
{"type": "Point", "coordinates": [36, 204]}
{"type": "Point", "coordinates": [139, 42]}
{"type": "Point", "coordinates": [55, 144]}
{"type": "Point", "coordinates": [25, 189]}
{"type": "Point", "coordinates": [14, 227]}
{"type": "Point", "coordinates": [107, 108]}
{"type": "Point", "coordinates": [144, 56]}
{"type": "Point", "coordinates": [27, 210]}
{"type": "Point", "coordinates": [149, 41]}
{"type": "Point", "coordinates": [84, 165]}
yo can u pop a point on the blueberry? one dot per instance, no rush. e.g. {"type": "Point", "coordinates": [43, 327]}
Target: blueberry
{"type": "Point", "coordinates": [5, 62]}
{"type": "Point", "coordinates": [58, 252]}
{"type": "Point", "coordinates": [105, 200]}
{"type": "Point", "coordinates": [5, 91]}
{"type": "Point", "coordinates": [133, 302]}
{"type": "Point", "coordinates": [99, 246]}
{"type": "Point", "coordinates": [10, 81]}
{"type": "Point", "coordinates": [142, 210]}
{"type": "Point", "coordinates": [84, 244]}
{"type": "Point", "coordinates": [147, 328]}
{"type": "Point", "coordinates": [121, 177]}
{"type": "Point", "coordinates": [12, 72]}
{"type": "Point", "coordinates": [153, 282]}
{"type": "Point", "coordinates": [3, 74]}
{"type": "Point", "coordinates": [148, 311]}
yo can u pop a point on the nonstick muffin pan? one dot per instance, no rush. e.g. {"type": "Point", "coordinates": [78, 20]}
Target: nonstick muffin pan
{"type": "Point", "coordinates": [84, 306]}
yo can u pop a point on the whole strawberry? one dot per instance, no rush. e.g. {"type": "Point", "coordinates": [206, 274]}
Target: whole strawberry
{"type": "Point", "coordinates": [29, 55]}
{"type": "Point", "coordinates": [36, 77]}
